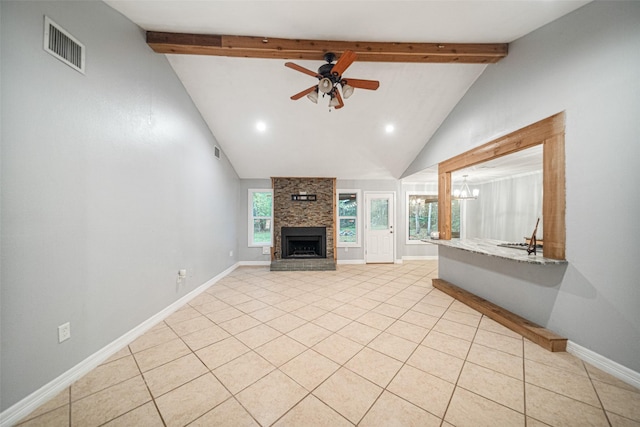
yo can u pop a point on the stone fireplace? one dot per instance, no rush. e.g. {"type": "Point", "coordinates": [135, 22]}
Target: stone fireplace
{"type": "Point", "coordinates": [304, 221]}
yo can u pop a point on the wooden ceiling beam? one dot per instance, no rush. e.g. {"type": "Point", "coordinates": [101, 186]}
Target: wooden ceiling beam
{"type": "Point", "coordinates": [264, 47]}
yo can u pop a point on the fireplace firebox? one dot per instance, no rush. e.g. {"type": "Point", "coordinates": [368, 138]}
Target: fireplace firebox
{"type": "Point", "coordinates": [304, 242]}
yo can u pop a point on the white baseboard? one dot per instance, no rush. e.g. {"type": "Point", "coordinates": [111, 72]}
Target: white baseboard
{"type": "Point", "coordinates": [27, 405]}
{"type": "Point", "coordinates": [609, 366]}
{"type": "Point", "coordinates": [350, 261]}
{"type": "Point", "coordinates": [396, 261]}
{"type": "Point", "coordinates": [420, 258]}
{"type": "Point", "coordinates": [253, 263]}
{"type": "Point", "coordinates": [262, 263]}
{"type": "Point", "coordinates": [24, 407]}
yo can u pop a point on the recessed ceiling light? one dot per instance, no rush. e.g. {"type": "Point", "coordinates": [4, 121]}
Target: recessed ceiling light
{"type": "Point", "coordinates": [261, 126]}
{"type": "Point", "coordinates": [389, 128]}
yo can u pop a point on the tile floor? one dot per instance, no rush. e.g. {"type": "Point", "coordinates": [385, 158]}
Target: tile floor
{"type": "Point", "coordinates": [367, 345]}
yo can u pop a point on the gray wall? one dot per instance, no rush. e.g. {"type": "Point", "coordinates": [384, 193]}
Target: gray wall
{"type": "Point", "coordinates": [109, 186]}
{"type": "Point", "coordinates": [586, 64]}
{"type": "Point", "coordinates": [496, 279]}
{"type": "Point", "coordinates": [352, 254]}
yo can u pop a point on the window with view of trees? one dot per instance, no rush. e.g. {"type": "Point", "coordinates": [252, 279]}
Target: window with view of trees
{"type": "Point", "coordinates": [348, 217]}
{"type": "Point", "coordinates": [422, 216]}
{"type": "Point", "coordinates": [260, 217]}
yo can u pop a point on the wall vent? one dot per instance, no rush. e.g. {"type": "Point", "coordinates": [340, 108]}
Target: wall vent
{"type": "Point", "coordinates": [216, 151]}
{"type": "Point", "coordinates": [59, 43]}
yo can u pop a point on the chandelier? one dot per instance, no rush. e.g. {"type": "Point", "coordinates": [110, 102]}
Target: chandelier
{"type": "Point", "coordinates": [464, 193]}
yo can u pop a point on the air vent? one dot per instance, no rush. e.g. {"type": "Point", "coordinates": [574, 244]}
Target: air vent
{"type": "Point", "coordinates": [216, 152]}
{"type": "Point", "coordinates": [59, 43]}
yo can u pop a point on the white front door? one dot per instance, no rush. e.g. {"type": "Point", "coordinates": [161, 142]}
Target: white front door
{"type": "Point", "coordinates": [379, 236]}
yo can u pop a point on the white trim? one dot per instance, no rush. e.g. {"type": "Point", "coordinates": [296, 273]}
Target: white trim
{"type": "Point", "coordinates": [250, 218]}
{"type": "Point", "coordinates": [351, 261]}
{"type": "Point", "coordinates": [24, 407]}
{"type": "Point", "coordinates": [392, 211]}
{"type": "Point", "coordinates": [420, 257]}
{"type": "Point", "coordinates": [253, 263]}
{"type": "Point", "coordinates": [609, 366]}
{"type": "Point", "coordinates": [358, 242]}
{"type": "Point", "coordinates": [407, 195]}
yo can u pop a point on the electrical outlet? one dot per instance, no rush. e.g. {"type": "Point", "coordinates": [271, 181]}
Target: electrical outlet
{"type": "Point", "coordinates": [182, 276]}
{"type": "Point", "coordinates": [64, 332]}
{"type": "Point", "coordinates": [266, 250]}
{"type": "Point", "coordinates": [230, 253]}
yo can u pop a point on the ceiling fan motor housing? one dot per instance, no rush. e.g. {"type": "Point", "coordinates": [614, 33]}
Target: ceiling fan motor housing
{"type": "Point", "coordinates": [329, 57]}
{"type": "Point", "coordinates": [325, 70]}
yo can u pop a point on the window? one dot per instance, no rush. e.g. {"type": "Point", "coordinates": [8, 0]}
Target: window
{"type": "Point", "coordinates": [422, 216]}
{"type": "Point", "coordinates": [348, 218]}
{"type": "Point", "coordinates": [260, 217]}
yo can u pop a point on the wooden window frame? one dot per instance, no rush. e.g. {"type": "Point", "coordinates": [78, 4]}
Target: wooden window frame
{"type": "Point", "coordinates": [549, 133]}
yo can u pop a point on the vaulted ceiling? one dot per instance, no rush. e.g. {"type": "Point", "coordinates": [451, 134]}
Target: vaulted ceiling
{"type": "Point", "coordinates": [300, 138]}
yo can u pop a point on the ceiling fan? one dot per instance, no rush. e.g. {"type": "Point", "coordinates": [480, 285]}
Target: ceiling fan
{"type": "Point", "coordinates": [330, 80]}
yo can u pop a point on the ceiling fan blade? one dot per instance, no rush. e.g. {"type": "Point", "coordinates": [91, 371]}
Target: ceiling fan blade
{"type": "Point", "coordinates": [340, 101]}
{"type": "Point", "coordinates": [346, 59]}
{"type": "Point", "coordinates": [304, 92]}
{"type": "Point", "coordinates": [302, 69]}
{"type": "Point", "coordinates": [363, 84]}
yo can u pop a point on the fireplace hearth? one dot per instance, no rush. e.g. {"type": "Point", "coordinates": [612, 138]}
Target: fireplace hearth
{"type": "Point", "coordinates": [304, 242]}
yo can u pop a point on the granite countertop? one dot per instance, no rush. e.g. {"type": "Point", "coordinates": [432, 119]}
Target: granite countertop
{"type": "Point", "coordinates": [490, 247]}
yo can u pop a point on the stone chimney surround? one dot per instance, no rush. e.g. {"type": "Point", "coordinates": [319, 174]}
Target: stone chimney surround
{"type": "Point", "coordinates": [304, 213]}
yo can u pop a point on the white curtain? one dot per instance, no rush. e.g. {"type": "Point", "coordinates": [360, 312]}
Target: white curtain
{"type": "Point", "coordinates": [506, 209]}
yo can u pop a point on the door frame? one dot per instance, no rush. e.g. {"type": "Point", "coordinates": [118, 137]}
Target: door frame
{"type": "Point", "coordinates": [392, 208]}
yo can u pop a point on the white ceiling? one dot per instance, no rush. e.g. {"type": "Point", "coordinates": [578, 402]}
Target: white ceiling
{"type": "Point", "coordinates": [305, 139]}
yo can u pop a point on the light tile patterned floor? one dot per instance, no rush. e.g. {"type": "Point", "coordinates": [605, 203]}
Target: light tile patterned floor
{"type": "Point", "coordinates": [367, 345]}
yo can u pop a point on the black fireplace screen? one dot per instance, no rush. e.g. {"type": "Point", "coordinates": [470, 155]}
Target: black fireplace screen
{"type": "Point", "coordinates": [304, 242]}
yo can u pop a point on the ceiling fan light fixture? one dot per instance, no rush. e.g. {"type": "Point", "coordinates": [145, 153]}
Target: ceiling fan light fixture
{"type": "Point", "coordinates": [325, 85]}
{"type": "Point", "coordinates": [313, 96]}
{"type": "Point", "coordinates": [347, 91]}
{"type": "Point", "coordinates": [330, 81]}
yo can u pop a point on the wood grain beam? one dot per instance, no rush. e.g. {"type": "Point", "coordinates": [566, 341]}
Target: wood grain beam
{"type": "Point", "coordinates": [554, 197]}
{"type": "Point", "coordinates": [550, 133]}
{"type": "Point", "coordinates": [539, 335]}
{"type": "Point", "coordinates": [276, 48]}
{"type": "Point", "coordinates": [521, 139]}
{"type": "Point", "coordinates": [444, 204]}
